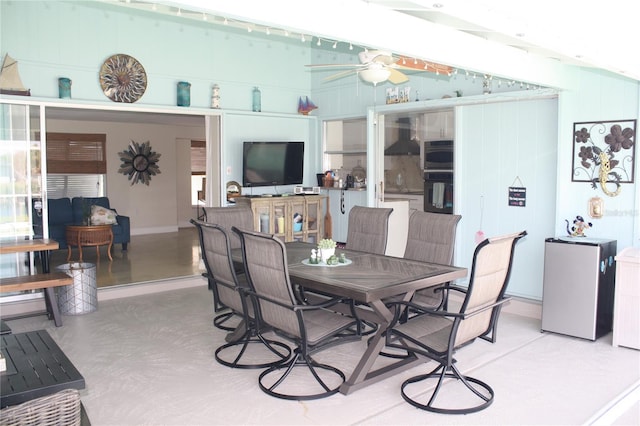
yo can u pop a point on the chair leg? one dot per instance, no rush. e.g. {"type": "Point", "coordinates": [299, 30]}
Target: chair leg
{"type": "Point", "coordinates": [482, 390]}
{"type": "Point", "coordinates": [281, 351]}
{"type": "Point", "coordinates": [300, 360]}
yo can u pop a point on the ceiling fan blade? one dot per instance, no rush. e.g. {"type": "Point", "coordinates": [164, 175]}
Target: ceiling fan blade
{"type": "Point", "coordinates": [420, 65]}
{"type": "Point", "coordinates": [396, 77]}
{"type": "Point", "coordinates": [334, 65]}
{"type": "Point", "coordinates": [340, 75]}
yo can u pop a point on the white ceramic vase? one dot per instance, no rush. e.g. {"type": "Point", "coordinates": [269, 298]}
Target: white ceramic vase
{"type": "Point", "coordinates": [326, 253]}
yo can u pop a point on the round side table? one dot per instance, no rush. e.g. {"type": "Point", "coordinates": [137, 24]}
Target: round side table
{"type": "Point", "coordinates": [95, 235]}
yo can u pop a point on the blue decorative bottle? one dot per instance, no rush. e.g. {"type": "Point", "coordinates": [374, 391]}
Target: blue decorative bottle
{"type": "Point", "coordinates": [64, 88]}
{"type": "Point", "coordinates": [257, 100]}
{"type": "Point", "coordinates": [184, 94]}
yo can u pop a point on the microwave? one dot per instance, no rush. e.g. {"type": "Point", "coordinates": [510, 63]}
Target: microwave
{"type": "Point", "coordinates": [438, 155]}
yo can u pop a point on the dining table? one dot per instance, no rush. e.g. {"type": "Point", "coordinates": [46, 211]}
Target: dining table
{"type": "Point", "coordinates": [367, 279]}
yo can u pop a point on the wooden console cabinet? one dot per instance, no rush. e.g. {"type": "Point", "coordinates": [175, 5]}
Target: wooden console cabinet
{"type": "Point", "coordinates": [275, 215]}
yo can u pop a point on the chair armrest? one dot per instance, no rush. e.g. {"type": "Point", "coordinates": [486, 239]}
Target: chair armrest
{"type": "Point", "coordinates": [481, 309]}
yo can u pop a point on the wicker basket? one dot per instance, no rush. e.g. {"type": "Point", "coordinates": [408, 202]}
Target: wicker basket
{"type": "Point", "coordinates": [60, 409]}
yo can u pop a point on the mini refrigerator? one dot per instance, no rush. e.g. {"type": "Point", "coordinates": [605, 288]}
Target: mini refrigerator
{"type": "Point", "coordinates": [578, 286]}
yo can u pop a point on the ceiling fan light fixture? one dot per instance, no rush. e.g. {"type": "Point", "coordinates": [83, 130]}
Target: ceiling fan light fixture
{"type": "Point", "coordinates": [374, 75]}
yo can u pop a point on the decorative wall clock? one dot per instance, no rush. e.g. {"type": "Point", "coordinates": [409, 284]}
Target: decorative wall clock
{"type": "Point", "coordinates": [123, 79]}
{"type": "Point", "coordinates": [139, 162]}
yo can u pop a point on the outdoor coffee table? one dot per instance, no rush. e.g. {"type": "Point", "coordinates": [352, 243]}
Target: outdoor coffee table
{"type": "Point", "coordinates": [94, 235]}
{"type": "Point", "coordinates": [36, 367]}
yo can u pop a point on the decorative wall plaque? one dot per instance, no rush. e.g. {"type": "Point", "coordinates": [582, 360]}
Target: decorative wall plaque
{"type": "Point", "coordinates": [139, 163]}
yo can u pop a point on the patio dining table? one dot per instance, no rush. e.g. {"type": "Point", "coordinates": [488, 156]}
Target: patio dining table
{"type": "Point", "coordinates": [368, 279]}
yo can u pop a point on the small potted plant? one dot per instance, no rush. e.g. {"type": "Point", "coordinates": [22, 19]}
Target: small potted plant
{"type": "Point", "coordinates": [327, 248]}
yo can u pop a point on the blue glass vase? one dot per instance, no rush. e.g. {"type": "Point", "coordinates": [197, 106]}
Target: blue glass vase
{"type": "Point", "coordinates": [184, 93]}
{"type": "Point", "coordinates": [64, 88]}
{"type": "Point", "coordinates": [257, 100]}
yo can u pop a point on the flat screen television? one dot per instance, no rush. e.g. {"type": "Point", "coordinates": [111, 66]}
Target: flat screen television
{"type": "Point", "coordinates": [272, 163]}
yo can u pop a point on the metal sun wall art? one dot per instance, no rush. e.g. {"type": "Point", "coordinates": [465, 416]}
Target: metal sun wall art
{"type": "Point", "coordinates": [139, 162]}
{"type": "Point", "coordinates": [604, 154]}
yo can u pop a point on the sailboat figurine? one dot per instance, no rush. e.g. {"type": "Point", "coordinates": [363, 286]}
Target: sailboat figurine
{"type": "Point", "coordinates": [305, 106]}
{"type": "Point", "coordinates": [10, 83]}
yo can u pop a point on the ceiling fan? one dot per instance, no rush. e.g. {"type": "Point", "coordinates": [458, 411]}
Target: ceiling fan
{"type": "Point", "coordinates": [377, 66]}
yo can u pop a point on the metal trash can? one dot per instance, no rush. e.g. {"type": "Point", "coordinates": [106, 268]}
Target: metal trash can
{"type": "Point", "coordinates": [81, 297]}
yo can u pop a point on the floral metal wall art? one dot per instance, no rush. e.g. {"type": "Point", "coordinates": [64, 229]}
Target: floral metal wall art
{"type": "Point", "coordinates": [604, 154]}
{"type": "Point", "coordinates": [139, 162]}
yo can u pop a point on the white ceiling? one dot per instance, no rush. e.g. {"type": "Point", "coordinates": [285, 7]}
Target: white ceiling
{"type": "Point", "coordinates": [588, 33]}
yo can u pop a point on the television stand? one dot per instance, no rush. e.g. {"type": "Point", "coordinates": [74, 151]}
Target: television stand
{"type": "Point", "coordinates": [275, 215]}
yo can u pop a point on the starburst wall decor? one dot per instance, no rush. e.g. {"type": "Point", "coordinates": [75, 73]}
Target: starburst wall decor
{"type": "Point", "coordinates": [139, 162]}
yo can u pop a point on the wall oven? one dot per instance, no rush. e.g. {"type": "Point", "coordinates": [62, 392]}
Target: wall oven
{"type": "Point", "coordinates": [438, 192]}
{"type": "Point", "coordinates": [438, 155]}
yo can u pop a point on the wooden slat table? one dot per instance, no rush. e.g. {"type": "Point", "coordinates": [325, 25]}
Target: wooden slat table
{"type": "Point", "coordinates": [36, 367]}
{"type": "Point", "coordinates": [46, 280]}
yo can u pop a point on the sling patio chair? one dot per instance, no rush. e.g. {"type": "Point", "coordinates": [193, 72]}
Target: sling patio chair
{"type": "Point", "coordinates": [368, 228]}
{"type": "Point", "coordinates": [231, 289]}
{"type": "Point", "coordinates": [439, 334]}
{"type": "Point", "coordinates": [226, 217]}
{"type": "Point", "coordinates": [311, 327]}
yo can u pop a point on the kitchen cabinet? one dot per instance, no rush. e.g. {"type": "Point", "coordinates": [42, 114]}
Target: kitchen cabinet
{"type": "Point", "coordinates": [416, 201]}
{"type": "Point", "coordinates": [340, 204]}
{"type": "Point", "coordinates": [281, 216]}
{"type": "Point", "coordinates": [345, 146]}
{"type": "Point", "coordinates": [439, 125]}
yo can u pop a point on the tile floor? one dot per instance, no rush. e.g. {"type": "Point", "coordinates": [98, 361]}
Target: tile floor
{"type": "Point", "coordinates": [148, 359]}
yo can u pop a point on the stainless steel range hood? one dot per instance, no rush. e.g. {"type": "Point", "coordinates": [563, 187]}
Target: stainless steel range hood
{"type": "Point", "coordinates": [405, 145]}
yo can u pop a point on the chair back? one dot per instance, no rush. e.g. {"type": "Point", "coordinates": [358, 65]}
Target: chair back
{"type": "Point", "coordinates": [368, 228]}
{"type": "Point", "coordinates": [240, 216]}
{"type": "Point", "coordinates": [265, 261]}
{"type": "Point", "coordinates": [490, 271]}
{"type": "Point", "coordinates": [431, 237]}
{"type": "Point", "coordinates": [215, 246]}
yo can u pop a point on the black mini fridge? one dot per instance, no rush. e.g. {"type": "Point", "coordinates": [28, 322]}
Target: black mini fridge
{"type": "Point", "coordinates": [578, 287]}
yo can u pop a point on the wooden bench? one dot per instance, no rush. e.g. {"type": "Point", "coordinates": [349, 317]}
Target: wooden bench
{"type": "Point", "coordinates": [47, 282]}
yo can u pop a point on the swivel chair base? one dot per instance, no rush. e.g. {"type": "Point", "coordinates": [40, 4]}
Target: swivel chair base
{"type": "Point", "coordinates": [482, 390]}
{"type": "Point", "coordinates": [299, 361]}
{"type": "Point", "coordinates": [281, 355]}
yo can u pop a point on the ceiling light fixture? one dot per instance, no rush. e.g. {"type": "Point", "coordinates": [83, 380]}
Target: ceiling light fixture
{"type": "Point", "coordinates": [374, 75]}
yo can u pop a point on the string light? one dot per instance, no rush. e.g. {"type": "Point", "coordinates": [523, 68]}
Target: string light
{"type": "Point", "coordinates": [334, 44]}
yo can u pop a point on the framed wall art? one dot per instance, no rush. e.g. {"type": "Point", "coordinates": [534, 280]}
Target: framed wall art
{"type": "Point", "coordinates": [604, 154]}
